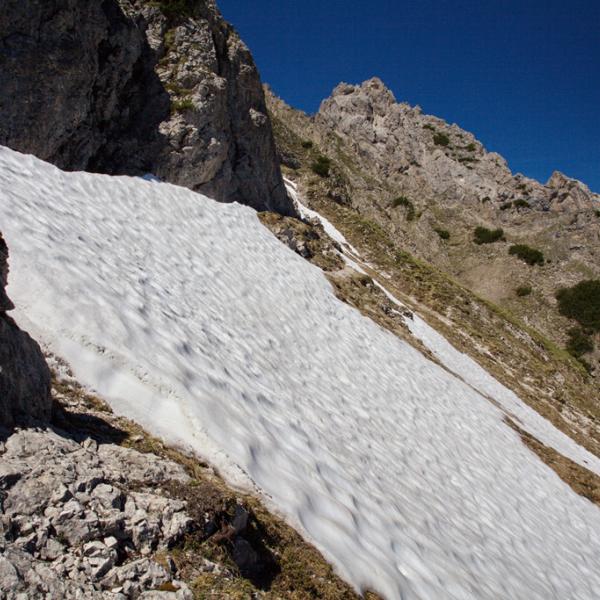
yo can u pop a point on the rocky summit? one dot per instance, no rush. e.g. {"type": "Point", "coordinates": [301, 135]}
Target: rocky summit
{"type": "Point", "coordinates": [137, 87]}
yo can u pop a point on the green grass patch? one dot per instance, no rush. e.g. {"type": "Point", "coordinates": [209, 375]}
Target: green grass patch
{"type": "Point", "coordinates": [527, 254]}
{"type": "Point", "coordinates": [183, 105]}
{"type": "Point", "coordinates": [443, 233]}
{"type": "Point", "coordinates": [482, 235]}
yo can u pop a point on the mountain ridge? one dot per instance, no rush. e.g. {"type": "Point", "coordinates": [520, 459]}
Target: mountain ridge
{"type": "Point", "coordinates": [431, 185]}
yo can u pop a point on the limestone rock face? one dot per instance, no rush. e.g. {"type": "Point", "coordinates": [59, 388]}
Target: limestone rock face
{"type": "Point", "coordinates": [423, 154]}
{"type": "Point", "coordinates": [24, 375]}
{"type": "Point", "coordinates": [132, 87]}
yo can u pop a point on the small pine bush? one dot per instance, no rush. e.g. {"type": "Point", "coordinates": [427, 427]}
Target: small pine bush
{"type": "Point", "coordinates": [428, 126]}
{"type": "Point", "coordinates": [527, 254]}
{"type": "Point", "coordinates": [321, 166]}
{"type": "Point", "coordinates": [405, 203]}
{"type": "Point", "coordinates": [471, 147]}
{"type": "Point", "coordinates": [483, 235]}
{"type": "Point", "coordinates": [443, 233]}
{"type": "Point", "coordinates": [523, 290]}
{"type": "Point", "coordinates": [441, 139]}
{"type": "Point", "coordinates": [521, 203]}
{"type": "Point", "coordinates": [579, 342]}
{"type": "Point", "coordinates": [581, 303]}
{"type": "Point", "coordinates": [307, 144]}
{"type": "Point", "coordinates": [506, 206]}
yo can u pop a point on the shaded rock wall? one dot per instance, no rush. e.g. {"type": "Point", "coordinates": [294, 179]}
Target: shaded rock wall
{"type": "Point", "coordinates": [131, 87]}
{"type": "Point", "coordinates": [24, 375]}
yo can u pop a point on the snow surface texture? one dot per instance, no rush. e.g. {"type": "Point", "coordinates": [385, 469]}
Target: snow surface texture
{"type": "Point", "coordinates": [462, 365]}
{"type": "Point", "coordinates": [192, 318]}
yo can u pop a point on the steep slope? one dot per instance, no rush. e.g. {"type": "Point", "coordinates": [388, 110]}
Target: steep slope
{"type": "Point", "coordinates": [405, 476]}
{"type": "Point", "coordinates": [133, 86]}
{"type": "Point", "coordinates": [429, 185]}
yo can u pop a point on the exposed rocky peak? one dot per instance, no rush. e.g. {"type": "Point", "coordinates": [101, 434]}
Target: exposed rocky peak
{"type": "Point", "coordinates": [131, 87]}
{"type": "Point", "coordinates": [414, 151]}
{"type": "Point", "coordinates": [24, 375]}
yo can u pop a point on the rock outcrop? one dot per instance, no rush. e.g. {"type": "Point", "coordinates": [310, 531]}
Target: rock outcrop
{"type": "Point", "coordinates": [24, 375]}
{"type": "Point", "coordinates": [136, 87]}
{"type": "Point", "coordinates": [71, 526]}
{"type": "Point", "coordinates": [424, 155]}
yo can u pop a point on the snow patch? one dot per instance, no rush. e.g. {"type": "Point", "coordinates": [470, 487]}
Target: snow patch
{"type": "Point", "coordinates": [192, 318]}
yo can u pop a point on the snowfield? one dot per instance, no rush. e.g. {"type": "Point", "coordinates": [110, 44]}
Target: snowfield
{"type": "Point", "coordinates": [462, 365]}
{"type": "Point", "coordinates": [191, 318]}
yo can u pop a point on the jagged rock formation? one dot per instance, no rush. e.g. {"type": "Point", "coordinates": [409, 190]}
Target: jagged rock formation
{"type": "Point", "coordinates": [429, 184]}
{"type": "Point", "coordinates": [134, 87]}
{"type": "Point", "coordinates": [24, 375]}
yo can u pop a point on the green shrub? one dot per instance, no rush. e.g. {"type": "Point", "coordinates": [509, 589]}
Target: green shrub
{"type": "Point", "coordinates": [527, 254]}
{"type": "Point", "coordinates": [321, 166]}
{"type": "Point", "coordinates": [581, 303]}
{"type": "Point", "coordinates": [485, 200]}
{"type": "Point", "coordinates": [483, 235]}
{"type": "Point", "coordinates": [441, 139]}
{"type": "Point", "coordinates": [521, 203]}
{"type": "Point", "coordinates": [579, 342]}
{"type": "Point", "coordinates": [307, 144]}
{"type": "Point", "coordinates": [467, 159]}
{"type": "Point", "coordinates": [173, 9]}
{"type": "Point", "coordinates": [523, 290]}
{"type": "Point", "coordinates": [471, 147]}
{"type": "Point", "coordinates": [182, 105]}
{"type": "Point", "coordinates": [428, 126]}
{"type": "Point", "coordinates": [405, 203]}
{"type": "Point", "coordinates": [598, 213]}
{"type": "Point", "coordinates": [443, 233]}
{"type": "Point", "coordinates": [506, 206]}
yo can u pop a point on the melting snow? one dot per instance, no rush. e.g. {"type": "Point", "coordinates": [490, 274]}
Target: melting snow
{"type": "Point", "coordinates": [192, 318]}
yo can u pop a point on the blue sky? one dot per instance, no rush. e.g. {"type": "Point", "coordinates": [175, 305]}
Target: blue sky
{"type": "Point", "coordinates": [523, 76]}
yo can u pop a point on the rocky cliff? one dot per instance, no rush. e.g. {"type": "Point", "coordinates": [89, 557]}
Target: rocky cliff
{"type": "Point", "coordinates": [135, 87]}
{"type": "Point", "coordinates": [24, 375]}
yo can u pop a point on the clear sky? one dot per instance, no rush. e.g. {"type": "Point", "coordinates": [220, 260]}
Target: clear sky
{"type": "Point", "coordinates": [522, 75]}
